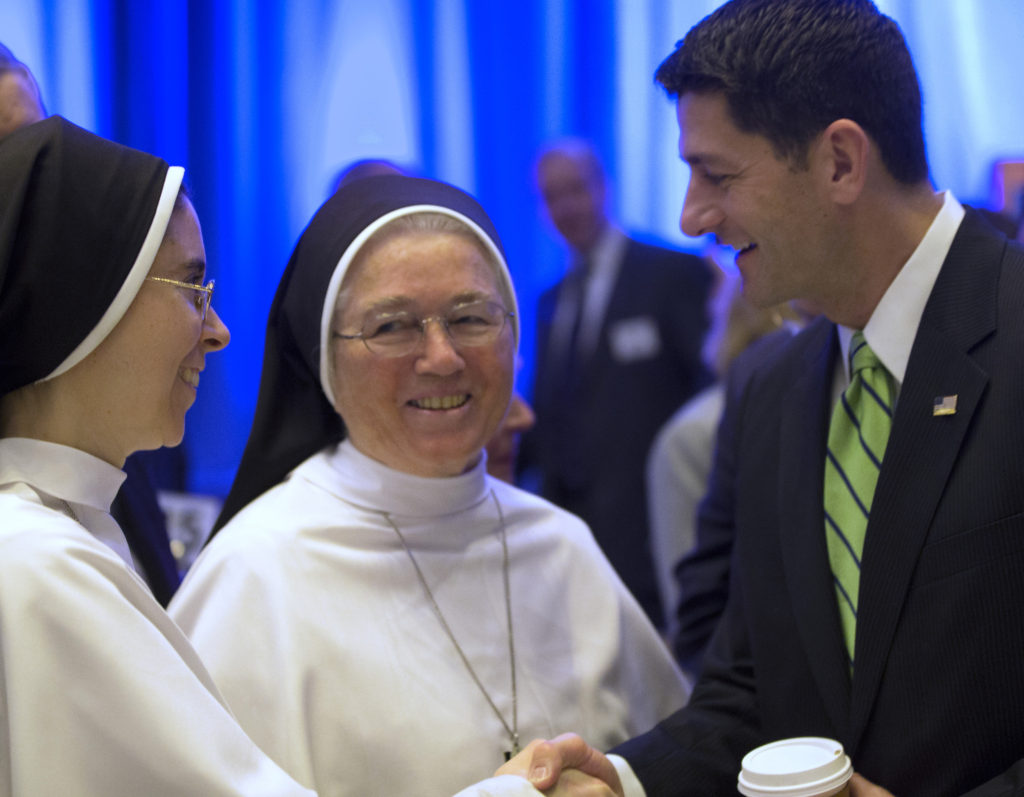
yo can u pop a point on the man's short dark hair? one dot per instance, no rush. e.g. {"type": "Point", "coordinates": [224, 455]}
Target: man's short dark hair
{"type": "Point", "coordinates": [789, 68]}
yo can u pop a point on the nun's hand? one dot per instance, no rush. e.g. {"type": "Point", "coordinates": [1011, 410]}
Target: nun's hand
{"type": "Point", "coordinates": [565, 765]}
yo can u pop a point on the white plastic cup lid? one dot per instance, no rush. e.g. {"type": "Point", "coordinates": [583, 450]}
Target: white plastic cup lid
{"type": "Point", "coordinates": [807, 766]}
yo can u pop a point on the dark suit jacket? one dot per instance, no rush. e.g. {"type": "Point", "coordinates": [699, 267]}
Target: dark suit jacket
{"type": "Point", "coordinates": [936, 706]}
{"type": "Point", "coordinates": [591, 441]}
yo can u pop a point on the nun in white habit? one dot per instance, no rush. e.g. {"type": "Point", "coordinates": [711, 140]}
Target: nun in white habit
{"type": "Point", "coordinates": [105, 324]}
{"type": "Point", "coordinates": [382, 616]}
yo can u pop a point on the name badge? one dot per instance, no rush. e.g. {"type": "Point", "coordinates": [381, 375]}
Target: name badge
{"type": "Point", "coordinates": [634, 339]}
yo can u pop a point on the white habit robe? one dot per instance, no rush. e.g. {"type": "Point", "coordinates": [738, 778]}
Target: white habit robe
{"type": "Point", "coordinates": [309, 613]}
{"type": "Point", "coordinates": [101, 693]}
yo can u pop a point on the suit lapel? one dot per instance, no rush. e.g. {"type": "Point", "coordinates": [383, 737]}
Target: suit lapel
{"type": "Point", "coordinates": [804, 426]}
{"type": "Point", "coordinates": [923, 447]}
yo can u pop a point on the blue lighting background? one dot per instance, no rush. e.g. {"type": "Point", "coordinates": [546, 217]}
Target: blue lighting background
{"type": "Point", "coordinates": [264, 101]}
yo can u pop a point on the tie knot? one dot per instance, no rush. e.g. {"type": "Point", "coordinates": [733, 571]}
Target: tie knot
{"type": "Point", "coordinates": [861, 356]}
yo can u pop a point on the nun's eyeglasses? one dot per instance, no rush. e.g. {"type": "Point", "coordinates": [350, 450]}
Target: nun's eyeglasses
{"type": "Point", "coordinates": [396, 334]}
{"type": "Point", "coordinates": [203, 293]}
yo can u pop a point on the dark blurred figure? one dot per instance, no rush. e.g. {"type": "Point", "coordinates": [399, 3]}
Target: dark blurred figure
{"type": "Point", "coordinates": [368, 167]}
{"type": "Point", "coordinates": [618, 351]}
{"type": "Point", "coordinates": [20, 101]}
{"type": "Point", "coordinates": [503, 448]}
{"type": "Point", "coordinates": [1001, 220]}
{"type": "Point", "coordinates": [138, 513]}
{"type": "Point", "coordinates": [135, 509]}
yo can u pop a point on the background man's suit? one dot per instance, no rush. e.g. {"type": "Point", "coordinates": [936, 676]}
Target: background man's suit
{"type": "Point", "coordinates": [596, 421]}
{"type": "Point", "coordinates": [937, 704]}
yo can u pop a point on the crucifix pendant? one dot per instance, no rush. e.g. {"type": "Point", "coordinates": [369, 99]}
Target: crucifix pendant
{"type": "Point", "coordinates": [515, 748]}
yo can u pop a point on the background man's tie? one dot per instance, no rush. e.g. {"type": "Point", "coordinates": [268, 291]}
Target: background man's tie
{"type": "Point", "coordinates": [857, 438]}
{"type": "Point", "coordinates": [574, 296]}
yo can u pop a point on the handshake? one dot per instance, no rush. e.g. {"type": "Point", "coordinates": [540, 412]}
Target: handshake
{"type": "Point", "coordinates": [565, 766]}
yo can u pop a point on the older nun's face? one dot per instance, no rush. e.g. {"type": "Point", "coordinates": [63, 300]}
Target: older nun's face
{"type": "Point", "coordinates": [431, 411]}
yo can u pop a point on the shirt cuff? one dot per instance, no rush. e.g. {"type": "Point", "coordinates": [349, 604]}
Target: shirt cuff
{"type": "Point", "coordinates": [631, 785]}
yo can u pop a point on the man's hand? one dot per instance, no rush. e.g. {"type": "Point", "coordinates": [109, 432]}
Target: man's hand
{"type": "Point", "coordinates": [565, 765]}
{"type": "Point", "coordinates": [862, 787]}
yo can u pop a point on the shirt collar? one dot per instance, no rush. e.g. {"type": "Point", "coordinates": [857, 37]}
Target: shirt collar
{"type": "Point", "coordinates": [891, 330]}
{"type": "Point", "coordinates": [64, 472]}
{"type": "Point", "coordinates": [605, 255]}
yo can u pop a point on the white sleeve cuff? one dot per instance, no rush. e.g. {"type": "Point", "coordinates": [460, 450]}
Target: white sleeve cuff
{"type": "Point", "coordinates": [631, 786]}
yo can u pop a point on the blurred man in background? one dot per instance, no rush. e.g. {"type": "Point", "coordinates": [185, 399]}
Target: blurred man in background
{"type": "Point", "coordinates": [618, 351]}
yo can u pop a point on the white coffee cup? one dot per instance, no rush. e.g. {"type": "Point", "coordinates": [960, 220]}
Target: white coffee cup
{"type": "Point", "coordinates": [808, 766]}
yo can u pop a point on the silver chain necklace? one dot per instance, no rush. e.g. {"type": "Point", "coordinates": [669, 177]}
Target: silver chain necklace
{"type": "Point", "coordinates": [513, 730]}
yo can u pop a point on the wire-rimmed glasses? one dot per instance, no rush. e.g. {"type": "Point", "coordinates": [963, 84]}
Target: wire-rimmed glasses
{"type": "Point", "coordinates": [397, 333]}
{"type": "Point", "coordinates": [203, 293]}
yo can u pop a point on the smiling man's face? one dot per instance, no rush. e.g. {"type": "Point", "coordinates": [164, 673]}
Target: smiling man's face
{"type": "Point", "coordinates": [769, 211]}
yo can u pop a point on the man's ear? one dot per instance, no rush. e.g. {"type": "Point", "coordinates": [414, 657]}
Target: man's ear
{"type": "Point", "coordinates": [840, 156]}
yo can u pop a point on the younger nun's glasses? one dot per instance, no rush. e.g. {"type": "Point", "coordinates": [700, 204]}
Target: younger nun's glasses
{"type": "Point", "coordinates": [203, 293]}
{"type": "Point", "coordinates": [396, 334]}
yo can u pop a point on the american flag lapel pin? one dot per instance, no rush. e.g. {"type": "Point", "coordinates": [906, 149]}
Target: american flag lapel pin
{"type": "Point", "coordinates": [944, 405]}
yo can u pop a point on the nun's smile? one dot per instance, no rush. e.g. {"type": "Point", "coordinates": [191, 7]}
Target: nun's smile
{"type": "Point", "coordinates": [190, 376]}
{"type": "Point", "coordinates": [429, 412]}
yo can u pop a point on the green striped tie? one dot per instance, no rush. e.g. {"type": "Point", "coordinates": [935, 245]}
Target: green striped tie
{"type": "Point", "coordinates": [856, 444]}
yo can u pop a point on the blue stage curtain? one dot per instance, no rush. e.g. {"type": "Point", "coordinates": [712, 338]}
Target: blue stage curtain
{"type": "Point", "coordinates": [265, 101]}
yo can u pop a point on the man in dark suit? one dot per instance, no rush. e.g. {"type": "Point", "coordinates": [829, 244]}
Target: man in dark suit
{"type": "Point", "coordinates": [801, 121]}
{"type": "Point", "coordinates": [618, 351]}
